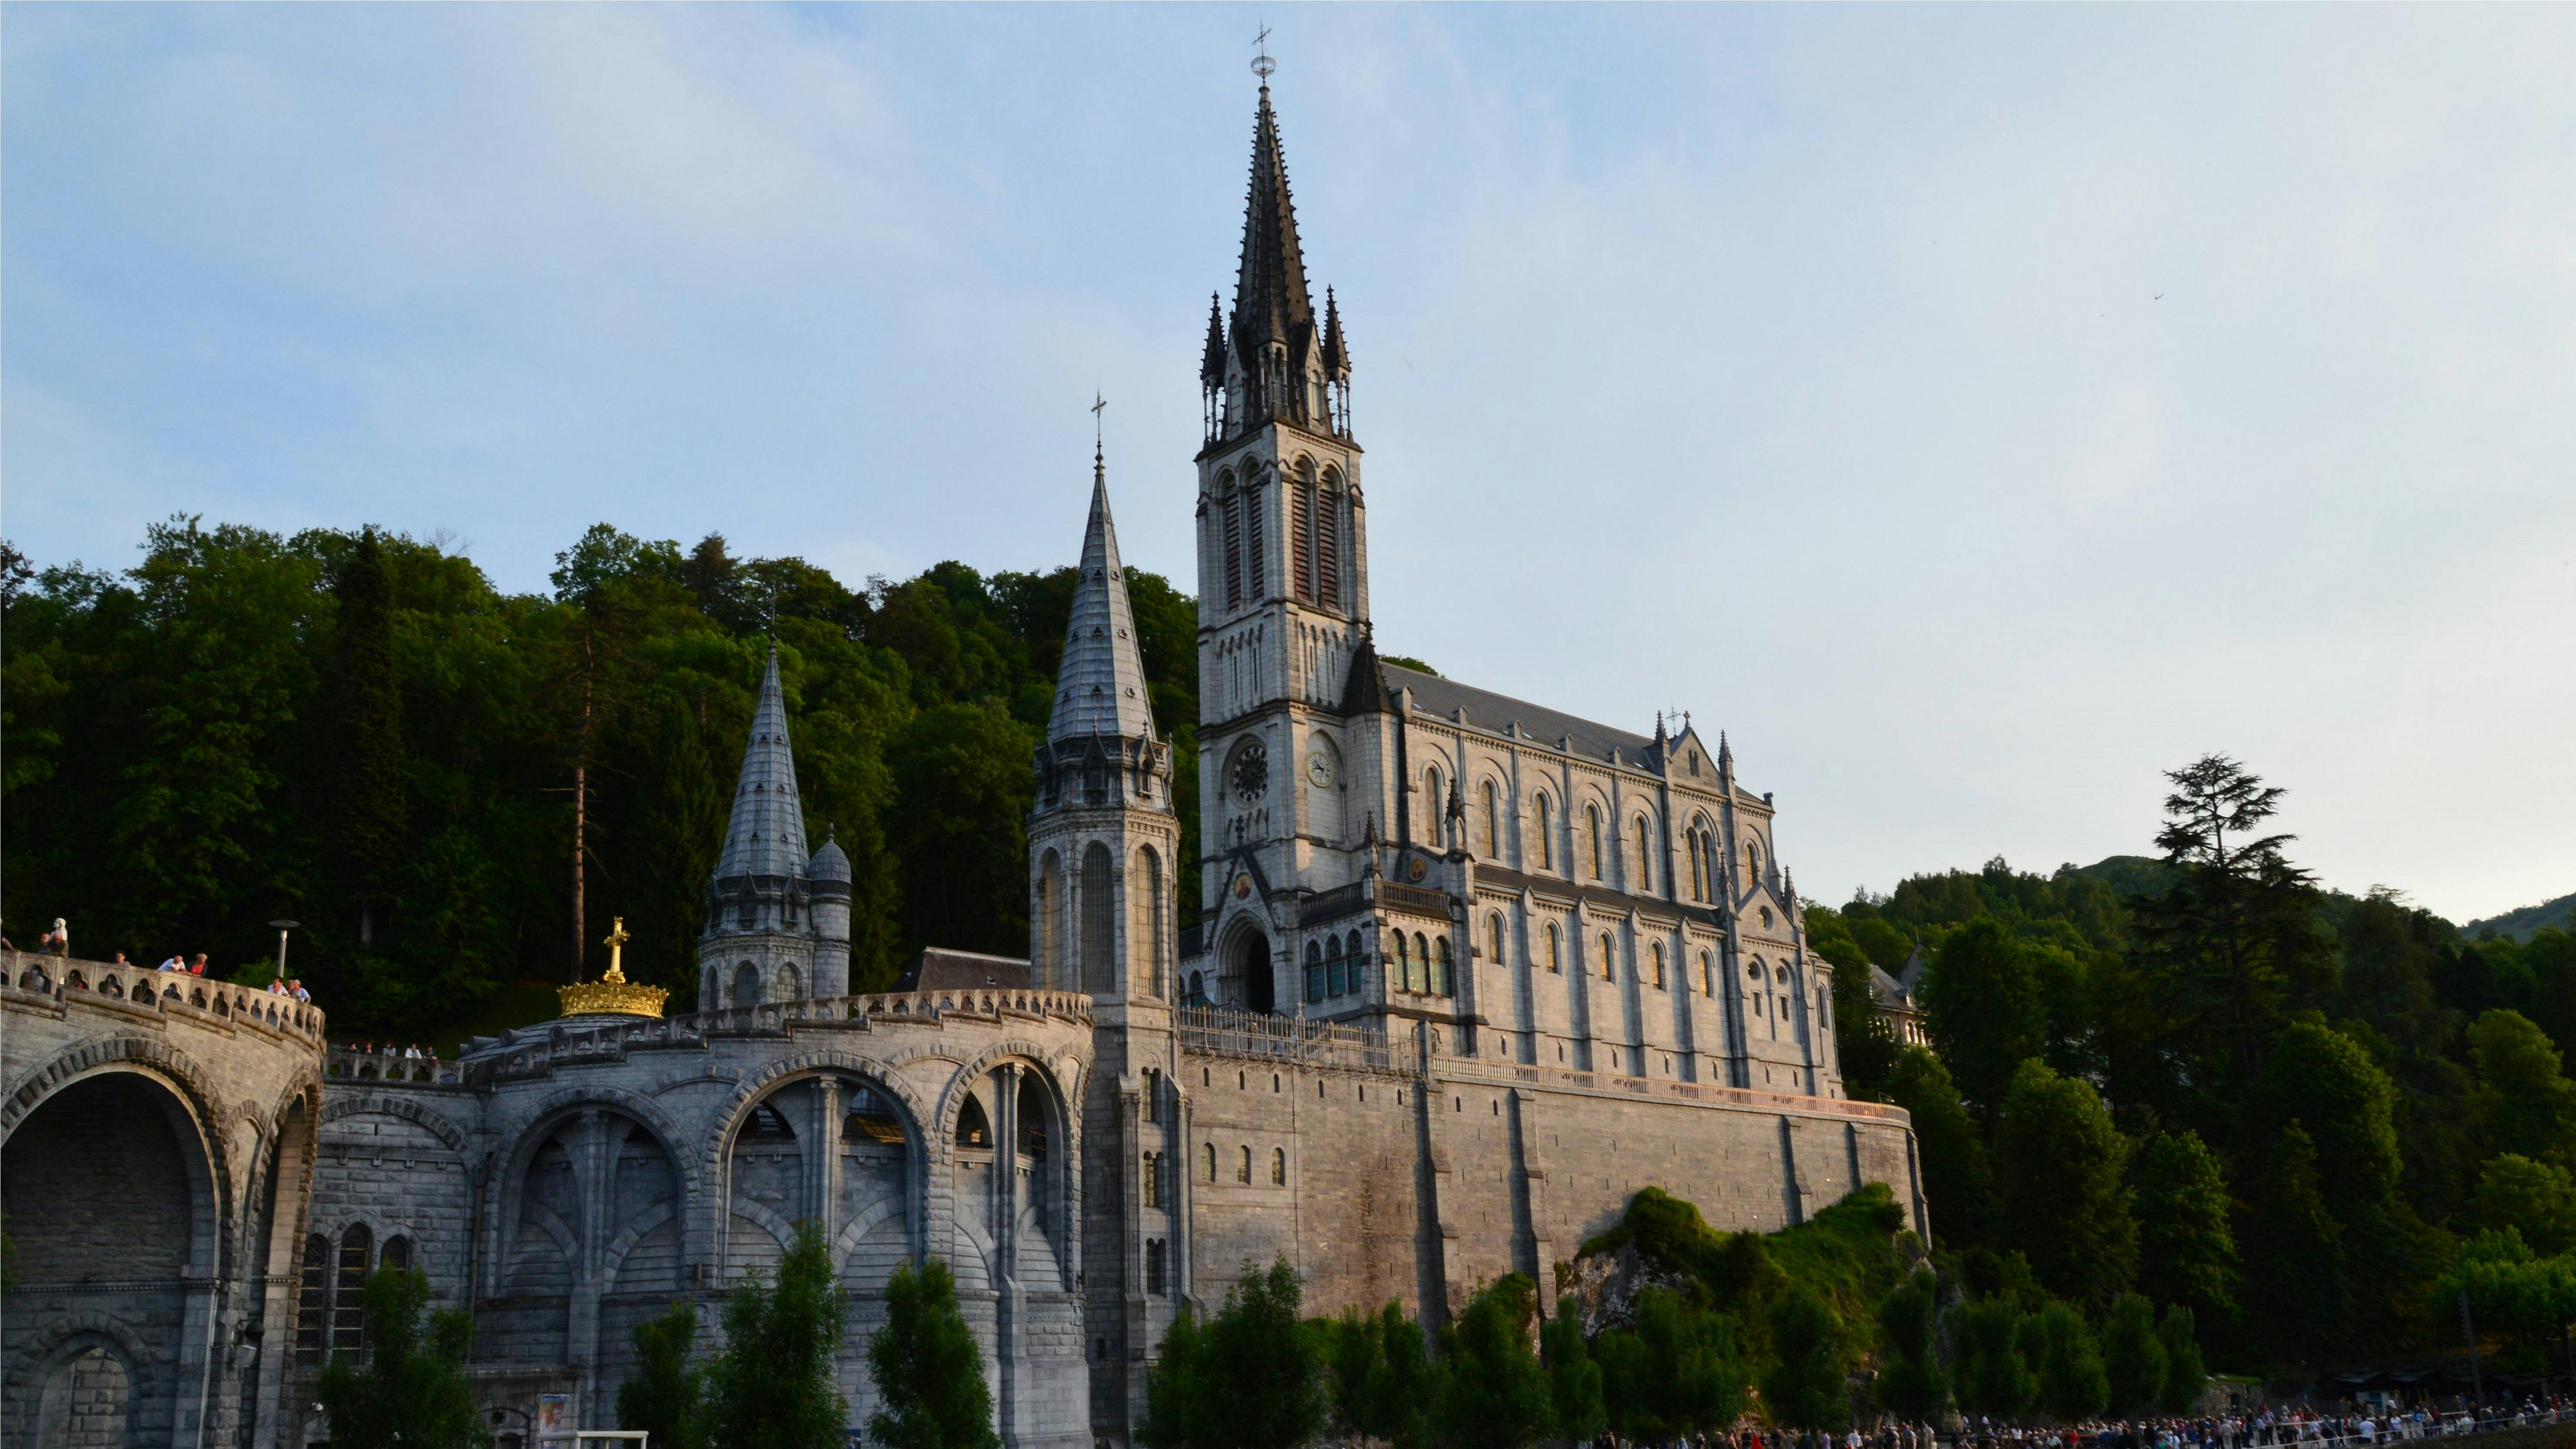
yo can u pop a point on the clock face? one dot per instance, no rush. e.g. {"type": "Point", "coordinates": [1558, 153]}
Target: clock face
{"type": "Point", "coordinates": [1250, 773]}
{"type": "Point", "coordinates": [1319, 769]}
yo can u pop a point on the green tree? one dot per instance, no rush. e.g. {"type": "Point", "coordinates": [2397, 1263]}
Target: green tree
{"type": "Point", "coordinates": [2524, 1098]}
{"type": "Point", "coordinates": [928, 1372]}
{"type": "Point", "coordinates": [1806, 1387]}
{"type": "Point", "coordinates": [2066, 1202]}
{"type": "Point", "coordinates": [1492, 1389]}
{"type": "Point", "coordinates": [2134, 1355]}
{"type": "Point", "coordinates": [1675, 1370]}
{"type": "Point", "coordinates": [2234, 932]}
{"type": "Point", "coordinates": [2059, 1346]}
{"type": "Point", "coordinates": [961, 772]}
{"type": "Point", "coordinates": [2535, 1199]}
{"type": "Point", "coordinates": [666, 1398]}
{"type": "Point", "coordinates": [2298, 1257]}
{"type": "Point", "coordinates": [772, 1387]}
{"type": "Point", "coordinates": [2184, 1375]}
{"type": "Point", "coordinates": [1379, 1374]}
{"type": "Point", "coordinates": [408, 1386]}
{"type": "Point", "coordinates": [2326, 1080]}
{"type": "Point", "coordinates": [1252, 1378]}
{"type": "Point", "coordinates": [1983, 1007]}
{"type": "Point", "coordinates": [1955, 1174]}
{"type": "Point", "coordinates": [2186, 1244]}
{"type": "Point", "coordinates": [1573, 1378]}
{"type": "Point", "coordinates": [373, 808]}
{"type": "Point", "coordinates": [1993, 1377]}
{"type": "Point", "coordinates": [675, 833]}
{"type": "Point", "coordinates": [1910, 1383]}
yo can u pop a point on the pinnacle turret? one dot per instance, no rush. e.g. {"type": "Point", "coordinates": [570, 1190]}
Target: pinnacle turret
{"type": "Point", "coordinates": [766, 836]}
{"type": "Point", "coordinates": [1100, 686]}
{"type": "Point", "coordinates": [1212, 361]}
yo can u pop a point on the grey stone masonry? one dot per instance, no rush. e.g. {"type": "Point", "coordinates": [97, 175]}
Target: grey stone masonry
{"type": "Point", "coordinates": [159, 1133]}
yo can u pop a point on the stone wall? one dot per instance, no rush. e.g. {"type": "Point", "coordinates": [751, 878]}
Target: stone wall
{"type": "Point", "coordinates": [159, 1138]}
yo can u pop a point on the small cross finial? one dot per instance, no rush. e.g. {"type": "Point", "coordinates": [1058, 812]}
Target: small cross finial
{"type": "Point", "coordinates": [1098, 405]}
{"type": "Point", "coordinates": [615, 941]}
{"type": "Point", "coordinates": [1262, 64]}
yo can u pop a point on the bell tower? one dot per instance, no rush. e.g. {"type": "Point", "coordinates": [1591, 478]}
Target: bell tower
{"type": "Point", "coordinates": [1283, 578]}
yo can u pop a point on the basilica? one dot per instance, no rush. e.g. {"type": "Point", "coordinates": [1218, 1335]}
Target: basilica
{"type": "Point", "coordinates": [1468, 972]}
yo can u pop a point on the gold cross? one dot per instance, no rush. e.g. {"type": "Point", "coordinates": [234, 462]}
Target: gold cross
{"type": "Point", "coordinates": [616, 940]}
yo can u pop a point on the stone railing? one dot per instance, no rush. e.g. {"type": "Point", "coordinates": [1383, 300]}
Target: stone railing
{"type": "Point", "coordinates": [351, 1064]}
{"type": "Point", "coordinates": [1229, 1032]}
{"type": "Point", "coordinates": [71, 980]}
{"type": "Point", "coordinates": [606, 1038]}
{"type": "Point", "coordinates": [1464, 1068]}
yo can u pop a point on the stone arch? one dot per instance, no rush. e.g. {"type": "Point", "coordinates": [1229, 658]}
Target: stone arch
{"type": "Point", "coordinates": [189, 1107]}
{"type": "Point", "coordinates": [880, 1075]}
{"type": "Point", "coordinates": [67, 1338]}
{"type": "Point", "coordinates": [952, 1099]}
{"type": "Point", "coordinates": [509, 1176]}
{"type": "Point", "coordinates": [363, 1104]}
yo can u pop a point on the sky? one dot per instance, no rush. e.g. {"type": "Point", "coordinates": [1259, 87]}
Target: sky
{"type": "Point", "coordinates": [1975, 410]}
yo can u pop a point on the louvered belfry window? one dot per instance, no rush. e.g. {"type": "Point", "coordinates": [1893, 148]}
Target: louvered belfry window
{"type": "Point", "coordinates": [1328, 546]}
{"type": "Point", "coordinates": [1099, 920]}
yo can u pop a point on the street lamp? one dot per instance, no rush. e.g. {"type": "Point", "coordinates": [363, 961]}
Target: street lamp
{"type": "Point", "coordinates": [282, 927]}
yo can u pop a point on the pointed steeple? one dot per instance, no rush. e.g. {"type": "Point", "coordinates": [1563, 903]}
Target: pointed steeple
{"type": "Point", "coordinates": [767, 833]}
{"type": "Point", "coordinates": [1337, 357]}
{"type": "Point", "coordinates": [1212, 361]}
{"type": "Point", "coordinates": [1270, 302]}
{"type": "Point", "coordinates": [1100, 686]}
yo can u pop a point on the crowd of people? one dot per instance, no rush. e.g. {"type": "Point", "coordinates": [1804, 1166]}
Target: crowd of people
{"type": "Point", "coordinates": [408, 1052]}
{"type": "Point", "coordinates": [2292, 1426]}
{"type": "Point", "coordinates": [58, 942]}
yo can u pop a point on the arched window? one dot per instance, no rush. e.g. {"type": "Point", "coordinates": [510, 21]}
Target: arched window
{"type": "Point", "coordinates": [1157, 1276]}
{"type": "Point", "coordinates": [1198, 989]}
{"type": "Point", "coordinates": [1707, 976]}
{"type": "Point", "coordinates": [974, 1129]}
{"type": "Point", "coordinates": [1211, 1162]}
{"type": "Point", "coordinates": [1099, 921]}
{"type": "Point", "coordinates": [1046, 935]}
{"type": "Point", "coordinates": [397, 1254]}
{"type": "Point", "coordinates": [349, 1290]}
{"type": "Point", "coordinates": [1443, 983]}
{"type": "Point", "coordinates": [1494, 939]}
{"type": "Point", "coordinates": [1335, 981]}
{"type": "Point", "coordinates": [1659, 966]}
{"type": "Point", "coordinates": [1546, 835]}
{"type": "Point", "coordinates": [1243, 1167]}
{"type": "Point", "coordinates": [1255, 563]}
{"type": "Point", "coordinates": [313, 1303]}
{"type": "Point", "coordinates": [1278, 1167]}
{"type": "Point", "coordinates": [1301, 538]}
{"type": "Point", "coordinates": [791, 986]}
{"type": "Point", "coordinates": [1645, 857]}
{"type": "Point", "coordinates": [1555, 951]}
{"type": "Point", "coordinates": [1592, 827]}
{"type": "Point", "coordinates": [1438, 803]}
{"type": "Point", "coordinates": [1150, 1175]}
{"type": "Point", "coordinates": [1493, 822]}
{"type": "Point", "coordinates": [1752, 862]}
{"type": "Point", "coordinates": [1314, 972]}
{"type": "Point", "coordinates": [1328, 541]}
{"type": "Point", "coordinates": [1421, 963]}
{"type": "Point", "coordinates": [1032, 1116]}
{"type": "Point", "coordinates": [1231, 507]}
{"type": "Point", "coordinates": [746, 985]}
{"type": "Point", "coordinates": [1145, 932]}
{"type": "Point", "coordinates": [1403, 964]}
{"type": "Point", "coordinates": [1609, 962]}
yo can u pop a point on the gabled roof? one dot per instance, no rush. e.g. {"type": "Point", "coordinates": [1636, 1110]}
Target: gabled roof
{"type": "Point", "coordinates": [766, 834]}
{"type": "Point", "coordinates": [1495, 712]}
{"type": "Point", "coordinates": [1100, 687]}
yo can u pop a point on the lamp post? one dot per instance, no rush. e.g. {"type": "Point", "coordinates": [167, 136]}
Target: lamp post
{"type": "Point", "coordinates": [282, 927]}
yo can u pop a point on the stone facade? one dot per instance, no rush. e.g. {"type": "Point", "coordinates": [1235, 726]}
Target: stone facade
{"type": "Point", "coordinates": [159, 1147]}
{"type": "Point", "coordinates": [1471, 973]}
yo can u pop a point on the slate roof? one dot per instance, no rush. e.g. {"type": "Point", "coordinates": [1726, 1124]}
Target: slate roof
{"type": "Point", "coordinates": [1100, 686]}
{"type": "Point", "coordinates": [766, 835]}
{"type": "Point", "coordinates": [940, 969]}
{"type": "Point", "coordinates": [1493, 712]}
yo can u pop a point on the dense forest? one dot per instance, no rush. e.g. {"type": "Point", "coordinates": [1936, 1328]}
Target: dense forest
{"type": "Point", "coordinates": [359, 732]}
{"type": "Point", "coordinates": [2197, 1079]}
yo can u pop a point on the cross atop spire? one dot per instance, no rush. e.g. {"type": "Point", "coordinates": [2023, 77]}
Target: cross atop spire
{"type": "Point", "coordinates": [766, 835]}
{"type": "Point", "coordinates": [1100, 686]}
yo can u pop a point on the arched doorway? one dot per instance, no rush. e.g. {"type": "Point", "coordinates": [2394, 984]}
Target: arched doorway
{"type": "Point", "coordinates": [1252, 963]}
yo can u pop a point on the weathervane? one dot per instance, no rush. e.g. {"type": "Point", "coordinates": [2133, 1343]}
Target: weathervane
{"type": "Point", "coordinates": [1262, 64]}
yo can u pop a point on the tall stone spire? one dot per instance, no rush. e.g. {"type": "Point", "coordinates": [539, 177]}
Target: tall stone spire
{"type": "Point", "coordinates": [1100, 686]}
{"type": "Point", "coordinates": [766, 836]}
{"type": "Point", "coordinates": [1270, 302]}
{"type": "Point", "coordinates": [1276, 364]}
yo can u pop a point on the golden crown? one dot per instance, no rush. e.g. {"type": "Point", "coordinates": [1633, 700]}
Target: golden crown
{"type": "Point", "coordinates": [613, 994]}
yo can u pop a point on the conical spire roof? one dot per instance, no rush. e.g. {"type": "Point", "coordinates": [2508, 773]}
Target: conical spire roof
{"type": "Point", "coordinates": [767, 833]}
{"type": "Point", "coordinates": [1270, 302]}
{"type": "Point", "coordinates": [1100, 687]}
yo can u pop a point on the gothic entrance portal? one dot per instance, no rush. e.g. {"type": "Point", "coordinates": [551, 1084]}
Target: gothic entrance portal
{"type": "Point", "coordinates": [1252, 963]}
